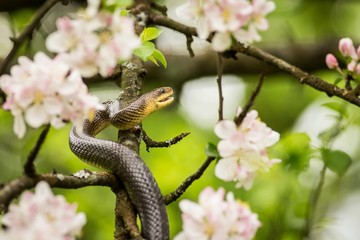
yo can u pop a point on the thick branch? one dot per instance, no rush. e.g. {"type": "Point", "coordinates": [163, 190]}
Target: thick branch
{"type": "Point", "coordinates": [302, 76]}
{"type": "Point", "coordinates": [125, 217]}
{"type": "Point", "coordinates": [299, 74]}
{"type": "Point", "coordinates": [14, 188]}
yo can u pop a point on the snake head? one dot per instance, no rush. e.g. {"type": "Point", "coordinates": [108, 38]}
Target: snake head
{"type": "Point", "coordinates": [160, 98]}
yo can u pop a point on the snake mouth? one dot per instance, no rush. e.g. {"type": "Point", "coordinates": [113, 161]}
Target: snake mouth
{"type": "Point", "coordinates": [165, 96]}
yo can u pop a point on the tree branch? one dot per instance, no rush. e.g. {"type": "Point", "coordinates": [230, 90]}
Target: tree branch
{"type": "Point", "coordinates": [188, 181]}
{"type": "Point", "coordinates": [15, 187]}
{"type": "Point", "coordinates": [238, 120]}
{"type": "Point", "coordinates": [303, 77]}
{"type": "Point", "coordinates": [29, 167]}
{"type": "Point", "coordinates": [125, 217]}
{"type": "Point", "coordinates": [220, 69]}
{"type": "Point", "coordinates": [154, 144]}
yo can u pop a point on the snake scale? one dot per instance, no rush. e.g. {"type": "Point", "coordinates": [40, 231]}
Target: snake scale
{"type": "Point", "coordinates": [124, 162]}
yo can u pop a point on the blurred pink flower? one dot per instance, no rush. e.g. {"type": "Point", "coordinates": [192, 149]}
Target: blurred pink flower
{"type": "Point", "coordinates": [331, 61]}
{"type": "Point", "coordinates": [41, 215]}
{"type": "Point", "coordinates": [261, 8]}
{"type": "Point", "coordinates": [228, 19]}
{"type": "Point", "coordinates": [347, 48]}
{"type": "Point", "coordinates": [217, 218]}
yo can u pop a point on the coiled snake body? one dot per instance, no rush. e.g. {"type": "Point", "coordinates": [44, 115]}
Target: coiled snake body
{"type": "Point", "coordinates": [125, 163]}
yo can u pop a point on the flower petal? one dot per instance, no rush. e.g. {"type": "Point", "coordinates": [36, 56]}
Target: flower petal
{"type": "Point", "coordinates": [225, 128]}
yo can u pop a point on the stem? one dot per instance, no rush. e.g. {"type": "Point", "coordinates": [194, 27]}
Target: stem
{"type": "Point", "coordinates": [220, 69]}
{"type": "Point", "coordinates": [238, 120]}
{"type": "Point", "coordinates": [313, 201]}
{"type": "Point", "coordinates": [188, 181]}
{"type": "Point", "coordinates": [29, 167]}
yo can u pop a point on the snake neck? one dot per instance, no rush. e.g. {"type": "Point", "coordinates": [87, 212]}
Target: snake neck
{"type": "Point", "coordinates": [130, 116]}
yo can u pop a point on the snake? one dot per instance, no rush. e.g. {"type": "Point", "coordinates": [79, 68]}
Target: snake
{"type": "Point", "coordinates": [125, 163]}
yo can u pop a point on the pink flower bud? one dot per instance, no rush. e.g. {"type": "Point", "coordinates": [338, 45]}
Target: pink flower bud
{"type": "Point", "coordinates": [351, 66]}
{"type": "Point", "coordinates": [331, 61]}
{"type": "Point", "coordinates": [347, 48]}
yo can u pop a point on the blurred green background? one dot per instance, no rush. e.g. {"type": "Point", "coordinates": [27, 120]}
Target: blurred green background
{"type": "Point", "coordinates": [280, 196]}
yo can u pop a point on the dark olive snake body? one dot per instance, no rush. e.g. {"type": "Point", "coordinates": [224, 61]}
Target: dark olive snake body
{"type": "Point", "coordinates": [124, 162]}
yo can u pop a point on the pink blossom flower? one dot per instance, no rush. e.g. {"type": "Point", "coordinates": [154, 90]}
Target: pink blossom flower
{"type": "Point", "coordinates": [217, 218]}
{"type": "Point", "coordinates": [193, 10]}
{"type": "Point", "coordinates": [40, 215]}
{"type": "Point", "coordinates": [347, 48]}
{"type": "Point", "coordinates": [228, 19]}
{"type": "Point", "coordinates": [94, 41]}
{"type": "Point", "coordinates": [260, 9]}
{"type": "Point", "coordinates": [331, 61]}
{"type": "Point", "coordinates": [351, 58]}
{"type": "Point", "coordinates": [40, 95]}
{"type": "Point", "coordinates": [243, 149]}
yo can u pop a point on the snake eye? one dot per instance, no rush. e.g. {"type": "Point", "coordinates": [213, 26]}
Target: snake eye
{"type": "Point", "coordinates": [162, 90]}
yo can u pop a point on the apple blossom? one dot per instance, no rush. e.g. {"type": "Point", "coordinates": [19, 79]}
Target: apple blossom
{"type": "Point", "coordinates": [228, 19]}
{"type": "Point", "coordinates": [45, 91]}
{"type": "Point", "coordinates": [351, 56]}
{"type": "Point", "coordinates": [347, 48]}
{"type": "Point", "coordinates": [95, 41]}
{"type": "Point", "coordinates": [41, 215]}
{"type": "Point", "coordinates": [243, 149]}
{"type": "Point", "coordinates": [331, 61]}
{"type": "Point", "coordinates": [217, 218]}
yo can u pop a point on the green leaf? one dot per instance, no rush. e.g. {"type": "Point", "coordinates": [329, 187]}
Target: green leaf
{"type": "Point", "coordinates": [145, 50]}
{"type": "Point", "coordinates": [149, 34]}
{"type": "Point", "coordinates": [336, 160]}
{"type": "Point", "coordinates": [294, 150]}
{"type": "Point", "coordinates": [211, 150]}
{"type": "Point", "coordinates": [151, 58]}
{"type": "Point", "coordinates": [337, 80]}
{"type": "Point", "coordinates": [115, 4]}
{"type": "Point", "coordinates": [337, 106]}
{"type": "Point", "coordinates": [160, 57]}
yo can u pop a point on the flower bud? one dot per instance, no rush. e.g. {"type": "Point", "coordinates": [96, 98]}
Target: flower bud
{"type": "Point", "coordinates": [347, 48]}
{"type": "Point", "coordinates": [331, 61]}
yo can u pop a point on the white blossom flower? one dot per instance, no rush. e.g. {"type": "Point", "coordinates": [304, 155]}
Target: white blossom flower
{"type": "Point", "coordinates": [45, 91]}
{"type": "Point", "coordinates": [94, 41]}
{"type": "Point", "coordinates": [243, 149]}
{"type": "Point", "coordinates": [228, 19]}
{"type": "Point", "coordinates": [216, 218]}
{"type": "Point", "coordinates": [40, 215]}
{"type": "Point", "coordinates": [260, 9]}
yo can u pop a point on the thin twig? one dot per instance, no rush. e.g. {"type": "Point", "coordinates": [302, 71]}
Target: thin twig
{"type": "Point", "coordinates": [154, 144]}
{"type": "Point", "coordinates": [220, 69]}
{"type": "Point", "coordinates": [302, 76]}
{"type": "Point", "coordinates": [29, 167]}
{"type": "Point", "coordinates": [313, 201]}
{"type": "Point", "coordinates": [238, 120]}
{"type": "Point", "coordinates": [27, 33]}
{"type": "Point", "coordinates": [188, 181]}
{"type": "Point", "coordinates": [189, 40]}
